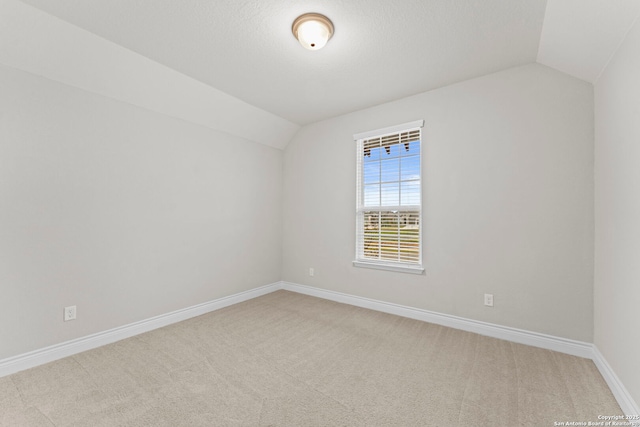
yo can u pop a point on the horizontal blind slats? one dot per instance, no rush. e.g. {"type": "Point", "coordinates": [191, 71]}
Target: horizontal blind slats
{"type": "Point", "coordinates": [389, 233]}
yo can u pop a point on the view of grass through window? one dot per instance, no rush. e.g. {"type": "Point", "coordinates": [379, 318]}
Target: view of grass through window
{"type": "Point", "coordinates": [391, 235]}
{"type": "Point", "coordinates": [389, 210]}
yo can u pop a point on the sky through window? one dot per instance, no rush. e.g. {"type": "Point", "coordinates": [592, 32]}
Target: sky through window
{"type": "Point", "coordinates": [392, 175]}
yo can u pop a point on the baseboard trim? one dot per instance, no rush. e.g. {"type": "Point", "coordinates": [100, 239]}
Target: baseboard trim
{"type": "Point", "coordinates": [620, 392]}
{"type": "Point", "coordinates": [563, 345]}
{"type": "Point", "coordinates": [549, 342]}
{"type": "Point", "coordinates": [576, 348]}
{"type": "Point", "coordinates": [58, 351]}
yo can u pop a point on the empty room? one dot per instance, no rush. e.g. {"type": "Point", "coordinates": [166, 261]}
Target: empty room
{"type": "Point", "coordinates": [322, 213]}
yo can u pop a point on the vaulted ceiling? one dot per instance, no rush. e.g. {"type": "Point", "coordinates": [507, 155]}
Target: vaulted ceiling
{"type": "Point", "coordinates": [381, 50]}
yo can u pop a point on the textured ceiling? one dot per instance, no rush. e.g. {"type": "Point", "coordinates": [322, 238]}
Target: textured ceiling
{"type": "Point", "coordinates": [381, 50]}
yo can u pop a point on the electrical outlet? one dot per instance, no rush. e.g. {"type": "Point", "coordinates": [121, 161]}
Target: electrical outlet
{"type": "Point", "coordinates": [69, 313]}
{"type": "Point", "coordinates": [488, 300]}
{"type": "Point", "coordinates": [311, 271]}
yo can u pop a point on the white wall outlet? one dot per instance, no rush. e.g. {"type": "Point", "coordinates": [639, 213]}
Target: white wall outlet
{"type": "Point", "coordinates": [311, 271]}
{"type": "Point", "coordinates": [69, 313]}
{"type": "Point", "coordinates": [488, 300]}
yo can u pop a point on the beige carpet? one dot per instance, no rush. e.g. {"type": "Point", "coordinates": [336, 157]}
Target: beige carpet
{"type": "Point", "coordinates": [286, 359]}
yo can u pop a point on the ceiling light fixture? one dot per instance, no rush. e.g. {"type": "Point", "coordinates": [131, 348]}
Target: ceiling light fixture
{"type": "Point", "coordinates": [312, 30]}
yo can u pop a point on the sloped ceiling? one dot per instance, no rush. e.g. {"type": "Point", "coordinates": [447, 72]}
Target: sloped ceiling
{"type": "Point", "coordinates": [580, 36]}
{"type": "Point", "coordinates": [381, 50]}
{"type": "Point", "coordinates": [233, 65]}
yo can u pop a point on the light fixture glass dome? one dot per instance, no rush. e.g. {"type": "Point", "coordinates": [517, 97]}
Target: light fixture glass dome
{"type": "Point", "coordinates": [312, 30]}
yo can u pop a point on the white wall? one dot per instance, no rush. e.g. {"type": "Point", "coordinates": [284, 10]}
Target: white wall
{"type": "Point", "coordinates": [124, 212]}
{"type": "Point", "coordinates": [34, 41]}
{"type": "Point", "coordinates": [508, 202]}
{"type": "Point", "coordinates": [617, 213]}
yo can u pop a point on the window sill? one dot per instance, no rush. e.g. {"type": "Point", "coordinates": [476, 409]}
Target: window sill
{"type": "Point", "coordinates": [399, 268]}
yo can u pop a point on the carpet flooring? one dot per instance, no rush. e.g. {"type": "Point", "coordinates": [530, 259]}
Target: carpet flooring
{"type": "Point", "coordinates": [286, 359]}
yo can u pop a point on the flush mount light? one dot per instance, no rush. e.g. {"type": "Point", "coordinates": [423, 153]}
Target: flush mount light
{"type": "Point", "coordinates": [312, 30]}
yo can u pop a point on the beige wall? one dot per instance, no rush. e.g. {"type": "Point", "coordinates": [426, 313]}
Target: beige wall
{"type": "Point", "coordinates": [617, 213]}
{"type": "Point", "coordinates": [508, 202]}
{"type": "Point", "coordinates": [123, 212]}
{"type": "Point", "coordinates": [129, 214]}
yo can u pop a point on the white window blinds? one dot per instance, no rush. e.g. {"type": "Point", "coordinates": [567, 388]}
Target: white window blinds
{"type": "Point", "coordinates": [389, 196]}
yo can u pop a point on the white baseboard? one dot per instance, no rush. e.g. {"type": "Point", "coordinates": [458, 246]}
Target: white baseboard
{"type": "Point", "coordinates": [549, 342]}
{"type": "Point", "coordinates": [576, 348]}
{"type": "Point", "coordinates": [58, 351]}
{"type": "Point", "coordinates": [626, 402]}
{"type": "Point", "coordinates": [563, 345]}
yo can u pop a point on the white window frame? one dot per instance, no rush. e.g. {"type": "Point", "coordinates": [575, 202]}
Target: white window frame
{"type": "Point", "coordinates": [360, 260]}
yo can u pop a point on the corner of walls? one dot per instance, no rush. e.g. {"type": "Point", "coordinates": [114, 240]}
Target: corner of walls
{"type": "Point", "coordinates": [617, 214]}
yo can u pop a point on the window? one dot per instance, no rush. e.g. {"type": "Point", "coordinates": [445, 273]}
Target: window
{"type": "Point", "coordinates": [389, 199]}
